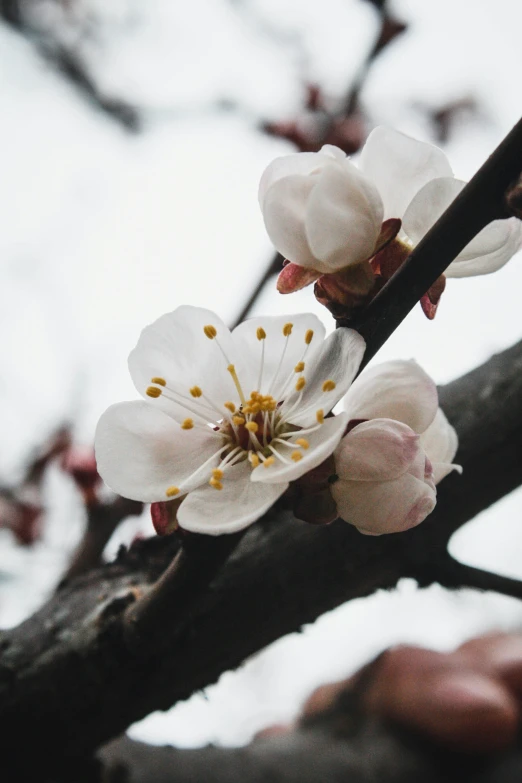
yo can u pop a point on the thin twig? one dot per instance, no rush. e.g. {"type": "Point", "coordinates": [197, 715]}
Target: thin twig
{"type": "Point", "coordinates": [389, 29]}
{"type": "Point", "coordinates": [480, 202]}
{"type": "Point", "coordinates": [70, 65]}
{"type": "Point", "coordinates": [456, 575]}
{"type": "Point", "coordinates": [272, 270]}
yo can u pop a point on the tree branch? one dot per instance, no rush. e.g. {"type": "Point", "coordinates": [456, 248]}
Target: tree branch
{"type": "Point", "coordinates": [451, 573]}
{"type": "Point", "coordinates": [187, 577]}
{"type": "Point", "coordinates": [71, 656]}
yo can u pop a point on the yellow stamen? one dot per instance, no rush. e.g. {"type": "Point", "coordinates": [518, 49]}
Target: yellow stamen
{"type": "Point", "coordinates": [303, 443]}
{"type": "Point", "coordinates": [215, 483]}
{"type": "Point", "coordinates": [309, 336]}
{"type": "Point", "coordinates": [300, 384]}
{"type": "Point", "coordinates": [296, 456]}
{"type": "Point", "coordinates": [230, 406]}
{"type": "Point", "coordinates": [172, 491]}
{"type": "Point", "coordinates": [299, 367]}
{"type": "Point", "coordinates": [159, 381]}
{"type": "Point", "coordinates": [251, 426]}
{"type": "Point", "coordinates": [319, 415]}
{"type": "Point", "coordinates": [269, 461]}
{"type": "Point", "coordinates": [187, 424]}
{"type": "Point", "coordinates": [261, 334]}
{"type": "Point", "coordinates": [254, 460]}
{"type": "Point", "coordinates": [328, 386]}
{"type": "Point", "coordinates": [217, 474]}
{"type": "Point", "coordinates": [153, 391]}
{"type": "Point", "coordinates": [196, 391]}
{"type": "Point", "coordinates": [232, 371]}
{"type": "Point", "coordinates": [210, 331]}
{"type": "Point", "coordinates": [287, 329]}
{"type": "Point", "coordinates": [238, 420]}
{"type": "Point", "coordinates": [259, 402]}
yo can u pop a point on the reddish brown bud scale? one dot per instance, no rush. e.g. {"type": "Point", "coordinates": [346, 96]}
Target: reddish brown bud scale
{"type": "Point", "coordinates": [163, 516]}
{"type": "Point", "coordinates": [294, 277]}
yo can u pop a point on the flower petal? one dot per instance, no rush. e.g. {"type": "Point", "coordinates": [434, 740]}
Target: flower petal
{"type": "Point", "coordinates": [400, 166]}
{"type": "Point", "coordinates": [487, 252]}
{"type": "Point", "coordinates": [343, 217]}
{"type": "Point", "coordinates": [378, 507]}
{"type": "Point", "coordinates": [322, 443]}
{"type": "Point", "coordinates": [338, 362]}
{"type": "Point", "coordinates": [281, 353]}
{"type": "Point", "coordinates": [376, 450]}
{"type": "Point", "coordinates": [442, 469]}
{"type": "Point", "coordinates": [176, 348]}
{"type": "Point", "coordinates": [140, 452]}
{"type": "Point", "coordinates": [284, 210]}
{"type": "Point", "coordinates": [237, 505]}
{"type": "Point", "coordinates": [428, 204]}
{"type": "Point", "coordinates": [301, 163]}
{"type": "Point", "coordinates": [440, 442]}
{"type": "Point", "coordinates": [493, 247]}
{"type": "Point", "coordinates": [331, 151]}
{"type": "Point", "coordinates": [399, 390]}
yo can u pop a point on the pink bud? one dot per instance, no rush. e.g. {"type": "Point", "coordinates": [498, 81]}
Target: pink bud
{"type": "Point", "coordinates": [385, 481]}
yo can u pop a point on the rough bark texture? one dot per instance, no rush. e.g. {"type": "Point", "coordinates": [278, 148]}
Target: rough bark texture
{"type": "Point", "coordinates": [69, 679]}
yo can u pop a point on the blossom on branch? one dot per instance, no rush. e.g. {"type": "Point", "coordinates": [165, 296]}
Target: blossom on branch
{"type": "Point", "coordinates": [229, 419]}
{"type": "Point", "coordinates": [320, 211]}
{"type": "Point", "coordinates": [325, 215]}
{"type": "Point", "coordinates": [399, 445]}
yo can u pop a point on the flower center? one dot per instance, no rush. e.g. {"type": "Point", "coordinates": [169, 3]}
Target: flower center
{"type": "Point", "coordinates": [256, 427]}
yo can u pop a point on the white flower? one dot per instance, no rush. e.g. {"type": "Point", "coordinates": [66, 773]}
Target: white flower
{"type": "Point", "coordinates": [229, 419]}
{"type": "Point", "coordinates": [389, 463]}
{"type": "Point", "coordinates": [323, 213]}
{"type": "Point", "coordinates": [319, 210]}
